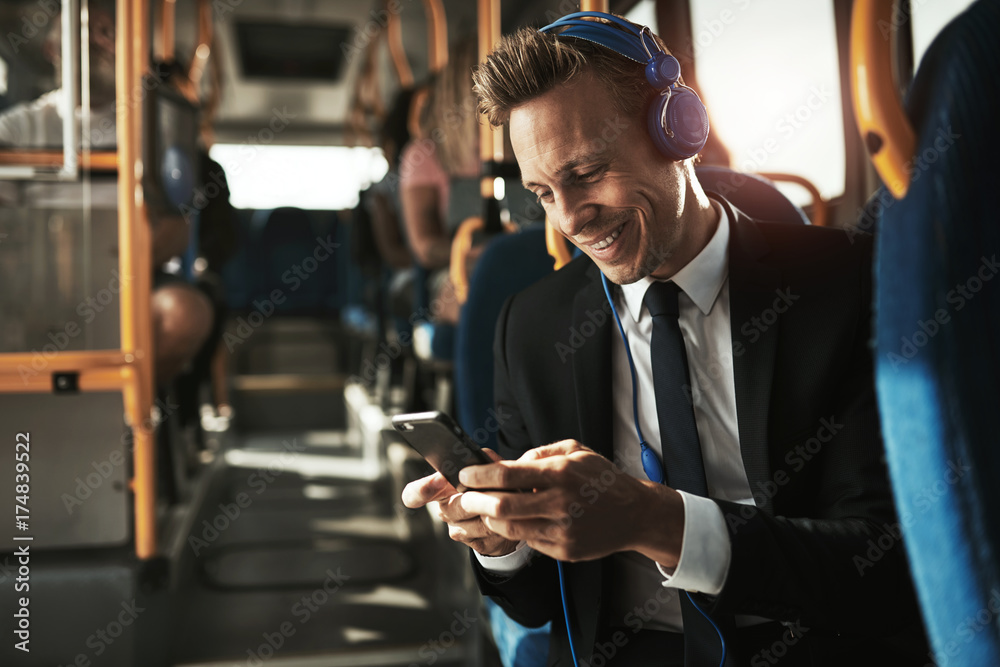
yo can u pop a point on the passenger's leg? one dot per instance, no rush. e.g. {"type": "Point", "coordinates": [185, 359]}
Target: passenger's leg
{"type": "Point", "coordinates": [182, 321]}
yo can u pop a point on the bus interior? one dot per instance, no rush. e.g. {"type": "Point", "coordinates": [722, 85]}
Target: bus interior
{"type": "Point", "coordinates": [210, 307]}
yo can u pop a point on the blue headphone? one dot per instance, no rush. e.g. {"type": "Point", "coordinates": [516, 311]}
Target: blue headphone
{"type": "Point", "coordinates": [677, 120]}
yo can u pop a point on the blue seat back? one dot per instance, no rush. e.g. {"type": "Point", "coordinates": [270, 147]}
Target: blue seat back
{"type": "Point", "coordinates": [509, 264]}
{"type": "Point", "coordinates": [938, 339]}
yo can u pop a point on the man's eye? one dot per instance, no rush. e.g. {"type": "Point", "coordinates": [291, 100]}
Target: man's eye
{"type": "Point", "coordinates": [591, 175]}
{"type": "Point", "coordinates": [543, 196]}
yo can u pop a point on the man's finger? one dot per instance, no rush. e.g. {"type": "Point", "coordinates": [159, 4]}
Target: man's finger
{"type": "Point", "coordinates": [511, 506]}
{"type": "Point", "coordinates": [464, 531]}
{"type": "Point", "coordinates": [453, 511]}
{"type": "Point", "coordinates": [532, 531]}
{"type": "Point", "coordinates": [419, 492]}
{"type": "Point", "coordinates": [561, 448]}
{"type": "Point", "coordinates": [508, 475]}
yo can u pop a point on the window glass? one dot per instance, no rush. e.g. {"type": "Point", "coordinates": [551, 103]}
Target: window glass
{"type": "Point", "coordinates": [33, 104]}
{"type": "Point", "coordinates": [309, 177]}
{"type": "Point", "coordinates": [928, 17]}
{"type": "Point", "coordinates": [769, 76]}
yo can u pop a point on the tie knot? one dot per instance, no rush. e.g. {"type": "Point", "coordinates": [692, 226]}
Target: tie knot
{"type": "Point", "coordinates": [661, 299]}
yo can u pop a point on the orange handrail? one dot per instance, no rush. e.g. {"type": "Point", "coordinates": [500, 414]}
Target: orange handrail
{"type": "Point", "coordinates": [460, 247]}
{"type": "Point", "coordinates": [94, 379]}
{"type": "Point", "coordinates": [882, 122]}
{"type": "Point", "coordinates": [437, 35]}
{"type": "Point", "coordinates": [168, 25]}
{"type": "Point", "coordinates": [821, 209]}
{"type": "Point", "coordinates": [398, 53]}
{"type": "Point", "coordinates": [203, 50]}
{"type": "Point", "coordinates": [89, 160]}
{"type": "Point", "coordinates": [135, 259]}
{"type": "Point", "coordinates": [490, 139]}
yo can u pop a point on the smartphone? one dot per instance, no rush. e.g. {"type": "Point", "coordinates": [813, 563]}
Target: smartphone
{"type": "Point", "coordinates": [441, 442]}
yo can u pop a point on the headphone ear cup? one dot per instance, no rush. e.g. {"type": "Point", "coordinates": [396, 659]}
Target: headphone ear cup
{"type": "Point", "coordinates": [662, 71]}
{"type": "Point", "coordinates": [686, 119]}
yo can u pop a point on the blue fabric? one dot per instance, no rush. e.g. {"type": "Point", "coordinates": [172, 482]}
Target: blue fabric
{"type": "Point", "coordinates": [518, 646]}
{"type": "Point", "coordinates": [938, 327]}
{"type": "Point", "coordinates": [509, 264]}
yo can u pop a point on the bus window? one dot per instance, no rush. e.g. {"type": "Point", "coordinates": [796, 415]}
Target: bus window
{"type": "Point", "coordinates": [927, 19]}
{"type": "Point", "coordinates": [775, 111]}
{"type": "Point", "coordinates": [308, 177]}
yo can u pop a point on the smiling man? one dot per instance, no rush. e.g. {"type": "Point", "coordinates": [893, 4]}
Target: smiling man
{"type": "Point", "coordinates": [726, 547]}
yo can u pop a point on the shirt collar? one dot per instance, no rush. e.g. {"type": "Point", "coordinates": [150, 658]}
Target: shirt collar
{"type": "Point", "coordinates": [701, 278]}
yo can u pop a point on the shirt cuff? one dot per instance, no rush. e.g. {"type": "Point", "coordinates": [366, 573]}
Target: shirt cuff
{"type": "Point", "coordinates": [508, 563]}
{"type": "Point", "coordinates": [705, 549]}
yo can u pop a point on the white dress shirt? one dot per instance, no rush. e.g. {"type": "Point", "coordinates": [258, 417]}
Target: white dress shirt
{"type": "Point", "coordinates": [704, 321]}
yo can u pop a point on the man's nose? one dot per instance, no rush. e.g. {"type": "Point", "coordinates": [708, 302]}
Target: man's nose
{"type": "Point", "coordinates": [574, 214]}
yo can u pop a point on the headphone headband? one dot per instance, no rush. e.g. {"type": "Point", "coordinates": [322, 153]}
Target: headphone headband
{"type": "Point", "coordinates": [605, 35]}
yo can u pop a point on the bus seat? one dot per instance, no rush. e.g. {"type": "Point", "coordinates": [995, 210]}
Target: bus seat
{"type": "Point", "coordinates": [754, 195]}
{"type": "Point", "coordinates": [509, 264]}
{"type": "Point", "coordinates": [937, 321]}
{"type": "Point", "coordinates": [238, 274]}
{"type": "Point", "coordinates": [287, 241]}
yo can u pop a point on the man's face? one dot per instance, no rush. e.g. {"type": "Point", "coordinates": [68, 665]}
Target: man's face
{"type": "Point", "coordinates": [601, 180]}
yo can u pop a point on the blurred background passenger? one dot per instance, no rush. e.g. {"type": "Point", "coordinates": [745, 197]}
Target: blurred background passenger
{"type": "Point", "coordinates": [39, 123]}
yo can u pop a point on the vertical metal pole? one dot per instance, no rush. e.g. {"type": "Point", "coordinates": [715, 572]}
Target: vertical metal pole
{"type": "Point", "coordinates": [134, 260]}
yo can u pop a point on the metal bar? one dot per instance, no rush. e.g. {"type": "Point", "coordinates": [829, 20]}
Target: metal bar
{"type": "Point", "coordinates": [820, 206]}
{"type": "Point", "coordinates": [62, 362]}
{"type": "Point", "coordinates": [437, 35]}
{"type": "Point", "coordinates": [96, 379]}
{"type": "Point", "coordinates": [93, 160]}
{"type": "Point", "coordinates": [134, 259]}
{"type": "Point", "coordinates": [168, 26]}
{"type": "Point", "coordinates": [490, 138]}
{"type": "Point", "coordinates": [881, 119]}
{"type": "Point", "coordinates": [203, 51]}
{"type": "Point", "coordinates": [398, 53]}
{"type": "Point", "coordinates": [71, 86]}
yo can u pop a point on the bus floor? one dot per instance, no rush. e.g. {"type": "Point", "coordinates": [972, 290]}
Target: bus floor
{"type": "Point", "coordinates": [301, 555]}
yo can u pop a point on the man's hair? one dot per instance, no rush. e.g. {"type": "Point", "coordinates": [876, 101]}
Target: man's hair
{"type": "Point", "coordinates": [530, 63]}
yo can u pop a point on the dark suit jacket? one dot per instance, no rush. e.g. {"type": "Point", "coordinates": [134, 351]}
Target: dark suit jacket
{"type": "Point", "coordinates": [821, 546]}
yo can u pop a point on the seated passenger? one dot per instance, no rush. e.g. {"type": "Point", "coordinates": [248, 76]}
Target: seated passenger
{"type": "Point", "coordinates": [39, 123]}
{"type": "Point", "coordinates": [748, 485]}
{"type": "Point", "coordinates": [439, 176]}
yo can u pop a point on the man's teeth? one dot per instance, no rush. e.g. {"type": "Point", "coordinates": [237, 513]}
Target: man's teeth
{"type": "Point", "coordinates": [608, 241]}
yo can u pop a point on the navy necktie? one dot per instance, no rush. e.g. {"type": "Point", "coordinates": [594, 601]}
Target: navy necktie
{"type": "Point", "coordinates": [681, 450]}
{"type": "Point", "coordinates": [680, 446]}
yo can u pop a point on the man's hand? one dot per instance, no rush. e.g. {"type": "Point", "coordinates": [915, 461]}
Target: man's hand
{"type": "Point", "coordinates": [463, 526]}
{"type": "Point", "coordinates": [582, 506]}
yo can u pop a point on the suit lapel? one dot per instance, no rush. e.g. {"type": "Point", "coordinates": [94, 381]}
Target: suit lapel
{"type": "Point", "coordinates": [752, 292]}
{"type": "Point", "coordinates": [592, 364]}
